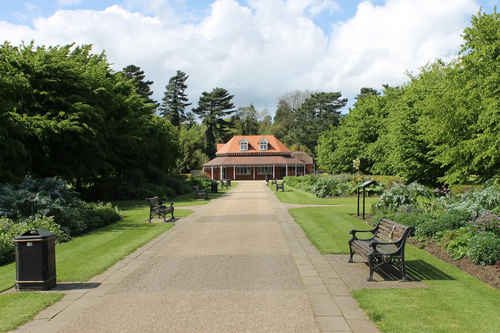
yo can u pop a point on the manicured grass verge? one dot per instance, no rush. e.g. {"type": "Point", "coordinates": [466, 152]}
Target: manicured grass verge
{"type": "Point", "coordinates": [292, 195]}
{"type": "Point", "coordinates": [93, 253]}
{"type": "Point", "coordinates": [82, 258]}
{"type": "Point", "coordinates": [328, 227]}
{"type": "Point", "coordinates": [454, 301]}
{"type": "Point", "coordinates": [19, 308]}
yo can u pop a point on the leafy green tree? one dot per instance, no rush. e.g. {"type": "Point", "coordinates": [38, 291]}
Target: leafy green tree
{"type": "Point", "coordinates": [133, 72]}
{"type": "Point", "coordinates": [342, 144]}
{"type": "Point", "coordinates": [245, 121]}
{"type": "Point", "coordinates": [265, 122]}
{"type": "Point", "coordinates": [213, 109]}
{"type": "Point", "coordinates": [71, 116]}
{"type": "Point", "coordinates": [463, 127]}
{"type": "Point", "coordinates": [175, 101]}
{"type": "Point", "coordinates": [285, 116]}
{"type": "Point", "coordinates": [191, 145]}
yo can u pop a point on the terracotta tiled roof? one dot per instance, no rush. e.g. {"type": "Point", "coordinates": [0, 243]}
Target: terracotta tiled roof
{"type": "Point", "coordinates": [253, 160]}
{"type": "Point", "coordinates": [233, 145]}
{"type": "Point", "coordinates": [300, 155]}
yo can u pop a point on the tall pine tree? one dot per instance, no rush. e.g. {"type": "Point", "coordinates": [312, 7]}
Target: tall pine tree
{"type": "Point", "coordinates": [175, 100]}
{"type": "Point", "coordinates": [143, 88]}
{"type": "Point", "coordinates": [213, 109]}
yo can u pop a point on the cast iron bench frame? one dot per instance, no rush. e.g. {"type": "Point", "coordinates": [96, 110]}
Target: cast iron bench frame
{"type": "Point", "coordinates": [280, 186]}
{"type": "Point", "coordinates": [199, 194]}
{"type": "Point", "coordinates": [156, 207]}
{"type": "Point", "coordinates": [224, 183]}
{"type": "Point", "coordinates": [382, 248]}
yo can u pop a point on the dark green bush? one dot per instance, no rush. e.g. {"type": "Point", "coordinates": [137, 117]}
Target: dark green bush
{"type": "Point", "coordinates": [447, 221]}
{"type": "Point", "coordinates": [10, 229]}
{"type": "Point", "coordinates": [97, 215]}
{"type": "Point", "coordinates": [484, 248]}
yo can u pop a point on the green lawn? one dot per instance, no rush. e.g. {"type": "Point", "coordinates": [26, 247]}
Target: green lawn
{"type": "Point", "coordinates": [320, 224]}
{"type": "Point", "coordinates": [454, 301]}
{"type": "Point", "coordinates": [292, 195]}
{"type": "Point", "coordinates": [79, 260]}
{"type": "Point", "coordinates": [19, 308]}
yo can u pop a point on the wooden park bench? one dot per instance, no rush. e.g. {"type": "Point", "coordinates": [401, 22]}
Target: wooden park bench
{"type": "Point", "coordinates": [199, 194]}
{"type": "Point", "coordinates": [280, 186]}
{"type": "Point", "coordinates": [385, 246]}
{"type": "Point", "coordinates": [156, 207]}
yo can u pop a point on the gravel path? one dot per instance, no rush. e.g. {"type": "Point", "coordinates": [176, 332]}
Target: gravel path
{"type": "Point", "coordinates": [238, 264]}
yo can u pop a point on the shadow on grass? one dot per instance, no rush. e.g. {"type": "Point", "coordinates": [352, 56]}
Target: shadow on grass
{"type": "Point", "coordinates": [416, 270]}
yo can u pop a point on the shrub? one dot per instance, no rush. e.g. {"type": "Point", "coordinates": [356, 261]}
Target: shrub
{"type": "Point", "coordinates": [10, 229]}
{"type": "Point", "coordinates": [447, 221]}
{"type": "Point", "coordinates": [486, 222]}
{"type": "Point", "coordinates": [484, 248]}
{"type": "Point", "coordinates": [331, 186]}
{"type": "Point", "coordinates": [477, 202]}
{"type": "Point", "coordinates": [97, 215]}
{"type": "Point", "coordinates": [149, 190]}
{"type": "Point", "coordinates": [455, 241]}
{"type": "Point", "coordinates": [200, 180]}
{"type": "Point", "coordinates": [401, 195]}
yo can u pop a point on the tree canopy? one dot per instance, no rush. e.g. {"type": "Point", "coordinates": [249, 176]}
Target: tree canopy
{"type": "Point", "coordinates": [175, 101]}
{"type": "Point", "coordinates": [65, 113]}
{"type": "Point", "coordinates": [214, 109]}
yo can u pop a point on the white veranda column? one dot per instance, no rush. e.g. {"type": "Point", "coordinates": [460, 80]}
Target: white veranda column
{"type": "Point", "coordinates": [273, 172]}
{"type": "Point", "coordinates": [220, 172]}
{"type": "Point", "coordinates": [286, 173]}
{"type": "Point", "coordinates": [212, 167]}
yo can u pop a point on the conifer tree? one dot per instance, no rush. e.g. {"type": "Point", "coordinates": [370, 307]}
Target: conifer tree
{"type": "Point", "coordinates": [143, 87]}
{"type": "Point", "coordinates": [175, 100]}
{"type": "Point", "coordinates": [213, 109]}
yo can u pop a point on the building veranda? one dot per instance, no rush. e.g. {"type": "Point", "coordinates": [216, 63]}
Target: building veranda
{"type": "Point", "coordinates": [252, 157]}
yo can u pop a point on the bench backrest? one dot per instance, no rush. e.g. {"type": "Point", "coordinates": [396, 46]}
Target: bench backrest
{"type": "Point", "coordinates": [390, 231]}
{"type": "Point", "coordinates": [154, 202]}
{"type": "Point", "coordinates": [196, 188]}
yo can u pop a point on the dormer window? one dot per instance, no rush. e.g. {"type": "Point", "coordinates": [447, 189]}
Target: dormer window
{"type": "Point", "coordinates": [263, 144]}
{"type": "Point", "coordinates": [243, 144]}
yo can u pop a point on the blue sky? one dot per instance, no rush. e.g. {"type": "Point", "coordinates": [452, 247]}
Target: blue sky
{"type": "Point", "coordinates": [257, 49]}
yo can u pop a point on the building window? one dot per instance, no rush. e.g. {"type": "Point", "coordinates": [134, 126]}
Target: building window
{"type": "Point", "coordinates": [243, 170]}
{"type": "Point", "coordinates": [300, 170]}
{"type": "Point", "coordinates": [243, 145]}
{"type": "Point", "coordinates": [265, 170]}
{"type": "Point", "coordinates": [263, 144]}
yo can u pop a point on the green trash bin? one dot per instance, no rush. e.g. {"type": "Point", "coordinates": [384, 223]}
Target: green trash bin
{"type": "Point", "coordinates": [35, 260]}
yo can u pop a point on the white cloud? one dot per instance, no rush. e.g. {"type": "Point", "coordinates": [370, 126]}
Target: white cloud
{"type": "Point", "coordinates": [265, 49]}
{"type": "Point", "coordinates": [380, 43]}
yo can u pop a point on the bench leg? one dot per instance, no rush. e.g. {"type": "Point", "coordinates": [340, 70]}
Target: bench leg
{"type": "Point", "coordinates": [173, 213]}
{"type": "Point", "coordinates": [404, 278]}
{"type": "Point", "coordinates": [351, 255]}
{"type": "Point", "coordinates": [371, 262]}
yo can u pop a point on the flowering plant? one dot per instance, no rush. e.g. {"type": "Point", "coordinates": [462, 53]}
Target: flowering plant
{"type": "Point", "coordinates": [486, 222]}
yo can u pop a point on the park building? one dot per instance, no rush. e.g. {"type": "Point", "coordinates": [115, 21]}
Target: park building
{"type": "Point", "coordinates": [252, 157]}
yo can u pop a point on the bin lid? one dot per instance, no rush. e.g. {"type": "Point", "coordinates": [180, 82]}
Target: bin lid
{"type": "Point", "coordinates": [34, 234]}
